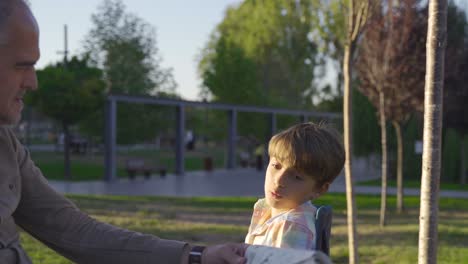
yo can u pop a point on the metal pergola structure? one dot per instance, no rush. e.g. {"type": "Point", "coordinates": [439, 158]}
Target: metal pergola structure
{"type": "Point", "coordinates": [232, 110]}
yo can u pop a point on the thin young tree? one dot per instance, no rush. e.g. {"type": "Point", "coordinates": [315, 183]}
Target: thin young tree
{"type": "Point", "coordinates": [357, 13]}
{"type": "Point", "coordinates": [69, 94]}
{"type": "Point", "coordinates": [407, 91]}
{"type": "Point", "coordinates": [435, 52]}
{"type": "Point", "coordinates": [389, 58]}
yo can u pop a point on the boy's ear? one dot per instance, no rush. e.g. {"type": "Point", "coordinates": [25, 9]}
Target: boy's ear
{"type": "Point", "coordinates": [319, 191]}
{"type": "Point", "coordinates": [323, 189]}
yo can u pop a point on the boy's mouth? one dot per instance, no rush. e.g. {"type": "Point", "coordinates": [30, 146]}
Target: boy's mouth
{"type": "Point", "coordinates": [276, 195]}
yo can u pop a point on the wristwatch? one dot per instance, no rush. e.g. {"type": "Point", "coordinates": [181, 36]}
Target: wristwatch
{"type": "Point", "coordinates": [196, 254]}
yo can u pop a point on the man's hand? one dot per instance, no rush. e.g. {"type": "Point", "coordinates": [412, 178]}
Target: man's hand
{"type": "Point", "coordinates": [225, 254]}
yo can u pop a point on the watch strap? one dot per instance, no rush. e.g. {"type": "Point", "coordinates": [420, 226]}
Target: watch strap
{"type": "Point", "coordinates": [195, 256]}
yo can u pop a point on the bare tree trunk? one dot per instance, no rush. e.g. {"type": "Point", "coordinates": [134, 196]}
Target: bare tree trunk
{"type": "Point", "coordinates": [357, 17]}
{"type": "Point", "coordinates": [400, 194]}
{"type": "Point", "coordinates": [66, 151]}
{"type": "Point", "coordinates": [383, 123]}
{"type": "Point", "coordinates": [347, 127]}
{"type": "Point", "coordinates": [435, 56]}
{"type": "Point", "coordinates": [383, 141]}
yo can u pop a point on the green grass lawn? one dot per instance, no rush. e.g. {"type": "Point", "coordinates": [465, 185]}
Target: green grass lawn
{"type": "Point", "coordinates": [416, 184]}
{"type": "Point", "coordinates": [217, 220]}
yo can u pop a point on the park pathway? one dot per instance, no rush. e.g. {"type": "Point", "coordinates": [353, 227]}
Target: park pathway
{"type": "Point", "coordinates": [237, 182]}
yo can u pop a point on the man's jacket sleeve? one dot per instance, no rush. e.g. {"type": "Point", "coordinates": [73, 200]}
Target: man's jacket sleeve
{"type": "Point", "coordinates": [58, 223]}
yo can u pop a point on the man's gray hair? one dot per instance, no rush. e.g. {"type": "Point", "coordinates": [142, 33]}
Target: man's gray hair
{"type": "Point", "coordinates": [6, 9]}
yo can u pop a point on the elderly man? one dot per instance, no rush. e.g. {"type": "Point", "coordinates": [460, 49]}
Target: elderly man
{"type": "Point", "coordinates": [27, 200]}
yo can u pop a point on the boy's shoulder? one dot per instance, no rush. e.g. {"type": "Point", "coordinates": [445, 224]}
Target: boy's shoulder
{"type": "Point", "coordinates": [261, 204]}
{"type": "Point", "coordinates": [306, 209]}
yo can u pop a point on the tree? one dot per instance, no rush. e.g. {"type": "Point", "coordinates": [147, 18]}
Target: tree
{"type": "Point", "coordinates": [436, 40]}
{"type": "Point", "coordinates": [124, 46]}
{"type": "Point", "coordinates": [260, 54]}
{"type": "Point", "coordinates": [357, 14]}
{"type": "Point", "coordinates": [69, 92]}
{"type": "Point", "coordinates": [271, 39]}
{"type": "Point", "coordinates": [389, 57]}
{"type": "Point", "coordinates": [407, 92]}
{"type": "Point", "coordinates": [336, 29]}
{"type": "Point", "coordinates": [231, 77]}
{"type": "Point", "coordinates": [329, 33]}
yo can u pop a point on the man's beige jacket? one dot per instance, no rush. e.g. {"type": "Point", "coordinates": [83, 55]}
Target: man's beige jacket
{"type": "Point", "coordinates": [26, 200]}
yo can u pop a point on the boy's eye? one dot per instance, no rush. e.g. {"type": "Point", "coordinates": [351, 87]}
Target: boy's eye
{"type": "Point", "coordinates": [275, 165]}
{"type": "Point", "coordinates": [299, 178]}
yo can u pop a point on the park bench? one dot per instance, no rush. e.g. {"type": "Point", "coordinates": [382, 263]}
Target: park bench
{"type": "Point", "coordinates": [136, 166]}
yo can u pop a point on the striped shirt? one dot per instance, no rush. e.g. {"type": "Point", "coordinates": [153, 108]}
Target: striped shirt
{"type": "Point", "coordinates": [292, 229]}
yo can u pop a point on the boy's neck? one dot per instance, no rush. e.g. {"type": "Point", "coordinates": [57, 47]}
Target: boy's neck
{"type": "Point", "coordinates": [275, 212]}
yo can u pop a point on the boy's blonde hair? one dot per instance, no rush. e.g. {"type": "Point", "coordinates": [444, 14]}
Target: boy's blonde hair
{"type": "Point", "coordinates": [314, 150]}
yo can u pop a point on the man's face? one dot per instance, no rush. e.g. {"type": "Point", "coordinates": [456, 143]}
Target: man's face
{"type": "Point", "coordinates": [17, 59]}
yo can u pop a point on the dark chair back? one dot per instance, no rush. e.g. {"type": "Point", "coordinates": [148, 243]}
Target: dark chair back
{"type": "Point", "coordinates": [323, 221]}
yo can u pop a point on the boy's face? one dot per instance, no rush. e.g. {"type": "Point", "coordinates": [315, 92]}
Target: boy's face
{"type": "Point", "coordinates": [285, 188]}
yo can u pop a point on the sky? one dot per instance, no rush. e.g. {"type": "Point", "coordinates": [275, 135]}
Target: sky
{"type": "Point", "coordinates": [182, 30]}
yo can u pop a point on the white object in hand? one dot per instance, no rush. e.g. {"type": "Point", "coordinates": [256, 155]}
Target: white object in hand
{"type": "Point", "coordinates": [256, 254]}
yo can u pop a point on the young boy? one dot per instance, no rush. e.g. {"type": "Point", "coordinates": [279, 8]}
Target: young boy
{"type": "Point", "coordinates": [304, 161]}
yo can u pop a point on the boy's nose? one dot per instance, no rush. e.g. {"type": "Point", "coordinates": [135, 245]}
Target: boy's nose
{"type": "Point", "coordinates": [280, 178]}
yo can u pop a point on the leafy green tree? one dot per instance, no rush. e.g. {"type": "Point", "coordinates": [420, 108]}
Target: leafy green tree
{"type": "Point", "coordinates": [271, 39]}
{"type": "Point", "coordinates": [329, 20]}
{"type": "Point", "coordinates": [260, 54]}
{"type": "Point", "coordinates": [231, 77]}
{"type": "Point", "coordinates": [366, 124]}
{"type": "Point", "coordinates": [69, 92]}
{"type": "Point", "coordinates": [124, 46]}
{"type": "Point", "coordinates": [146, 122]}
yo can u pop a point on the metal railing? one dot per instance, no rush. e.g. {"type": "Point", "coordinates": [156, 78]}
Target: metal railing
{"type": "Point", "coordinates": [180, 105]}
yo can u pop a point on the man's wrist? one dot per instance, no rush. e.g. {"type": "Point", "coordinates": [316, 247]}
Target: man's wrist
{"type": "Point", "coordinates": [195, 255]}
{"type": "Point", "coordinates": [185, 254]}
